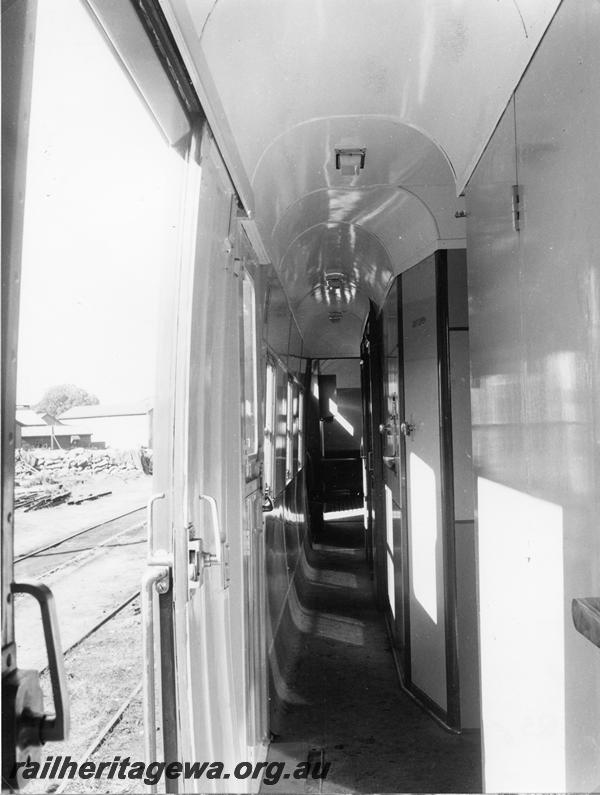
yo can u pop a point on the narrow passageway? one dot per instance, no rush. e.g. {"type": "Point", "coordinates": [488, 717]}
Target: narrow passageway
{"type": "Point", "coordinates": [343, 694]}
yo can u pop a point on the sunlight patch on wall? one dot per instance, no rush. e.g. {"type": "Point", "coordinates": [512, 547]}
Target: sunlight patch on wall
{"type": "Point", "coordinates": [389, 531]}
{"type": "Point", "coordinates": [423, 534]}
{"type": "Point", "coordinates": [521, 595]}
{"type": "Point", "coordinates": [339, 418]}
{"type": "Point", "coordinates": [340, 516]}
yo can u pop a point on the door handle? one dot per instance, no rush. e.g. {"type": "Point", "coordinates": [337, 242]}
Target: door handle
{"type": "Point", "coordinates": [220, 557]}
{"type": "Point", "coordinates": [407, 429]}
{"type": "Point", "coordinates": [150, 518]}
{"type": "Point", "coordinates": [50, 727]}
{"type": "Point", "coordinates": [218, 535]}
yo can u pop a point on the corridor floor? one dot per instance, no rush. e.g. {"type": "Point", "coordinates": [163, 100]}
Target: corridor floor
{"type": "Point", "coordinates": [343, 691]}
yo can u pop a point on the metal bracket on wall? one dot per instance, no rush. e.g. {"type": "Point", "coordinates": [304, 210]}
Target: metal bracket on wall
{"type": "Point", "coordinates": [516, 207]}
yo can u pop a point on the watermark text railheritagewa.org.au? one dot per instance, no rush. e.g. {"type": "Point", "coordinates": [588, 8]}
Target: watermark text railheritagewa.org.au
{"type": "Point", "coordinates": [63, 767]}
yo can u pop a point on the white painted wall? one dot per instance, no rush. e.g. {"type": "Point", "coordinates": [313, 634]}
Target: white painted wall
{"type": "Point", "coordinates": [125, 432]}
{"type": "Point", "coordinates": [534, 301]}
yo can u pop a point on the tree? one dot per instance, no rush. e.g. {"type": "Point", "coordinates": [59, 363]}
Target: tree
{"type": "Point", "coordinates": [60, 398]}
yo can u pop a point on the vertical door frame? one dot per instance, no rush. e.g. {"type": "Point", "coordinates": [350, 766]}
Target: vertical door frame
{"type": "Point", "coordinates": [18, 44]}
{"type": "Point", "coordinates": [405, 651]}
{"type": "Point", "coordinates": [447, 491]}
{"type": "Point", "coordinates": [365, 369]}
{"type": "Point", "coordinates": [18, 49]}
{"type": "Point", "coordinates": [374, 335]}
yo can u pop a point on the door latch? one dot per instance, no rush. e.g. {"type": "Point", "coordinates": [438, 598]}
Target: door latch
{"type": "Point", "coordinates": [407, 429]}
{"type": "Point", "coordinates": [267, 502]}
{"type": "Point", "coordinates": [199, 560]}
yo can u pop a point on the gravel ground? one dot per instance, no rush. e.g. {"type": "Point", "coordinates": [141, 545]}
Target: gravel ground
{"type": "Point", "coordinates": [102, 673]}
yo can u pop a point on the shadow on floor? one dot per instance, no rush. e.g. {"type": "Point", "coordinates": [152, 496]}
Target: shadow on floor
{"type": "Point", "coordinates": [342, 693]}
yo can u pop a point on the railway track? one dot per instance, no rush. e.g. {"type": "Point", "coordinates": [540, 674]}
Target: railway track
{"type": "Point", "coordinates": [93, 573]}
{"type": "Point", "coordinates": [77, 547]}
{"type": "Point", "coordinates": [121, 606]}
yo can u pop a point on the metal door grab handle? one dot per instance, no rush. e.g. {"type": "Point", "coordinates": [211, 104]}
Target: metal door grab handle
{"type": "Point", "coordinates": [219, 537]}
{"type": "Point", "coordinates": [156, 577]}
{"type": "Point", "coordinates": [150, 519]}
{"type": "Point", "coordinates": [53, 727]}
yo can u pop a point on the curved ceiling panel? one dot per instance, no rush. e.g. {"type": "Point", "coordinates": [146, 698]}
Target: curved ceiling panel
{"type": "Point", "coordinates": [330, 271]}
{"type": "Point", "coordinates": [419, 85]}
{"type": "Point", "coordinates": [445, 67]}
{"type": "Point", "coordinates": [325, 339]}
{"type": "Point", "coordinates": [367, 233]}
{"type": "Point", "coordinates": [335, 248]}
{"type": "Point", "coordinates": [303, 162]}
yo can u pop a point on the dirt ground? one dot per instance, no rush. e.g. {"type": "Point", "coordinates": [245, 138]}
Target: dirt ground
{"type": "Point", "coordinates": [107, 667]}
{"type": "Point", "coordinates": [102, 673]}
{"type": "Point", "coordinates": [34, 529]}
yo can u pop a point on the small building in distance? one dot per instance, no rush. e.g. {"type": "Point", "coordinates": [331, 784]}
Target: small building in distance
{"type": "Point", "coordinates": [25, 419]}
{"type": "Point", "coordinates": [55, 437]}
{"type": "Point", "coordinates": [125, 426]}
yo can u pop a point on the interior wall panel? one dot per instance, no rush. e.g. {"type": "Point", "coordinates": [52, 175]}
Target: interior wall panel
{"type": "Point", "coordinates": [535, 309]}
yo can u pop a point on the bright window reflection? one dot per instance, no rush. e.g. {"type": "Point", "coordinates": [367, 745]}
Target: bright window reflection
{"type": "Point", "coordinates": [340, 419]}
{"type": "Point", "coordinates": [521, 595]}
{"type": "Point", "coordinates": [423, 534]}
{"type": "Point", "coordinates": [389, 521]}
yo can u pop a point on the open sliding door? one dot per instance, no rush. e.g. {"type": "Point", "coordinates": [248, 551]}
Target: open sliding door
{"type": "Point", "coordinates": [198, 530]}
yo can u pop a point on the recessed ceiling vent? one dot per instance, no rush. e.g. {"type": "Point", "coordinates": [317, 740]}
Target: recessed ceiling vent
{"type": "Point", "coordinates": [350, 161]}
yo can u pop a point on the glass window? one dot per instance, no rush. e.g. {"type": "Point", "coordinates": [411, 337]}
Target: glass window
{"type": "Point", "coordinates": [281, 393]}
{"type": "Point", "coordinates": [101, 230]}
{"type": "Point", "coordinates": [300, 430]}
{"type": "Point", "coordinates": [250, 390]}
{"type": "Point", "coordinates": [289, 433]}
{"type": "Point", "coordinates": [269, 468]}
{"type": "Point", "coordinates": [101, 222]}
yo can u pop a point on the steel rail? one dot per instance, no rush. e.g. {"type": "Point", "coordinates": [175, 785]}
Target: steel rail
{"type": "Point", "coordinates": [37, 551]}
{"type": "Point", "coordinates": [98, 626]}
{"type": "Point", "coordinates": [78, 560]}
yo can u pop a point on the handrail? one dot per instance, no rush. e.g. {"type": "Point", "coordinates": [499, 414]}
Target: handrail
{"type": "Point", "coordinates": [53, 727]}
{"type": "Point", "coordinates": [155, 574]}
{"type": "Point", "coordinates": [150, 519]}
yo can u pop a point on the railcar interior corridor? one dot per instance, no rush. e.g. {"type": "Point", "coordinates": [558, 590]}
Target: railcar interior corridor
{"type": "Point", "coordinates": [373, 549]}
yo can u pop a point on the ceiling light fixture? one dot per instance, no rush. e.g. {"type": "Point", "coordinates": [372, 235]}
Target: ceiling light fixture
{"type": "Point", "coordinates": [335, 290]}
{"type": "Point", "coordinates": [350, 161]}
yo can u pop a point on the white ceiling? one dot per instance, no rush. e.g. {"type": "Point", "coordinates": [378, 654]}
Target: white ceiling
{"type": "Point", "coordinates": [420, 83]}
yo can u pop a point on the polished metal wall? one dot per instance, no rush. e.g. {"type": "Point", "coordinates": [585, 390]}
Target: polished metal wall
{"type": "Point", "coordinates": [534, 302]}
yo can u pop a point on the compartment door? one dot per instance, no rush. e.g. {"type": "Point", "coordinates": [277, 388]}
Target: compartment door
{"type": "Point", "coordinates": [198, 526]}
{"type": "Point", "coordinates": [424, 482]}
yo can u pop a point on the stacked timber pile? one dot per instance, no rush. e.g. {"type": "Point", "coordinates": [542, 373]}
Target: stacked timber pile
{"type": "Point", "coordinates": [47, 467]}
{"type": "Point", "coordinates": [33, 499]}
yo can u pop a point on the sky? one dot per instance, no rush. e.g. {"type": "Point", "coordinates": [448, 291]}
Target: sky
{"type": "Point", "coordinates": [101, 218]}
